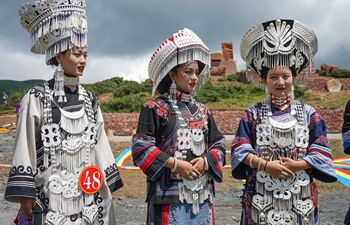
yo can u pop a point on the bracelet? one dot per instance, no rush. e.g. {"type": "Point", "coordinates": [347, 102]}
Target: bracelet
{"type": "Point", "coordinates": [259, 163]}
{"type": "Point", "coordinates": [175, 165]}
{"type": "Point", "coordinates": [206, 163]}
{"type": "Point", "coordinates": [251, 161]}
{"type": "Point", "coordinates": [265, 165]}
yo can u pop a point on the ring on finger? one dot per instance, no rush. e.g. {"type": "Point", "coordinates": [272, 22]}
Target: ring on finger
{"type": "Point", "coordinates": [193, 174]}
{"type": "Point", "coordinates": [284, 173]}
{"type": "Point", "coordinates": [191, 177]}
{"type": "Point", "coordinates": [282, 176]}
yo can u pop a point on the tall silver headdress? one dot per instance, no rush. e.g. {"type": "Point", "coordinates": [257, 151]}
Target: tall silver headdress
{"type": "Point", "coordinates": [278, 42]}
{"type": "Point", "coordinates": [55, 25]}
{"type": "Point", "coordinates": [182, 47]}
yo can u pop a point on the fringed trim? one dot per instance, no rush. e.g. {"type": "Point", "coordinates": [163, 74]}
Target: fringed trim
{"type": "Point", "coordinates": [195, 192]}
{"type": "Point", "coordinates": [59, 84]}
{"type": "Point", "coordinates": [46, 157]}
{"type": "Point", "coordinates": [183, 55]}
{"type": "Point", "coordinates": [254, 35]}
{"type": "Point", "coordinates": [69, 206]}
{"type": "Point", "coordinates": [60, 20]}
{"type": "Point", "coordinates": [47, 114]}
{"type": "Point", "coordinates": [279, 58]}
{"type": "Point", "coordinates": [163, 69]}
{"type": "Point", "coordinates": [73, 159]}
{"type": "Point", "coordinates": [74, 122]}
{"type": "Point", "coordinates": [262, 207]}
{"type": "Point", "coordinates": [70, 39]}
{"type": "Point", "coordinates": [64, 194]}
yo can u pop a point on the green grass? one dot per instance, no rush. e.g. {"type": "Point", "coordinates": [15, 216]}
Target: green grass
{"type": "Point", "coordinates": [220, 93]}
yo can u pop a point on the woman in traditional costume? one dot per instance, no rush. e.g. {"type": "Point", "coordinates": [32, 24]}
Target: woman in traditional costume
{"type": "Point", "coordinates": [63, 169]}
{"type": "Point", "coordinates": [346, 146]}
{"type": "Point", "coordinates": [177, 144]}
{"type": "Point", "coordinates": [281, 144]}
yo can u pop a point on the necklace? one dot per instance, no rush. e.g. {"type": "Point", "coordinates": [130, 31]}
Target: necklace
{"type": "Point", "coordinates": [71, 81]}
{"type": "Point", "coordinates": [280, 101]}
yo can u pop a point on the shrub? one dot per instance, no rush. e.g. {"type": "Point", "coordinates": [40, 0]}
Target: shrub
{"type": "Point", "coordinates": [126, 104]}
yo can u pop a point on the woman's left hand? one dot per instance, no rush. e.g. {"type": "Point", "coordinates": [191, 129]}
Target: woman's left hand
{"type": "Point", "coordinates": [199, 164]}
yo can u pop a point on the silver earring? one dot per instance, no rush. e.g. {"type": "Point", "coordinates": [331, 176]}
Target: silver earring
{"type": "Point", "coordinates": [267, 96]}
{"type": "Point", "coordinates": [292, 94]}
{"type": "Point", "coordinates": [59, 84]}
{"type": "Point", "coordinates": [173, 90]}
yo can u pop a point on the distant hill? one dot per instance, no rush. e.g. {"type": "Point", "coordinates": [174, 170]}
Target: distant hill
{"type": "Point", "coordinates": [12, 85]}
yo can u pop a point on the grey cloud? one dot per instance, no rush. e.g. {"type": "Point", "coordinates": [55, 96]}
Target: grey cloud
{"type": "Point", "coordinates": [135, 28]}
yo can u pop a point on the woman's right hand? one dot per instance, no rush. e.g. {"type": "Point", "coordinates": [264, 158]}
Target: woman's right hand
{"type": "Point", "coordinates": [185, 169]}
{"type": "Point", "coordinates": [27, 206]}
{"type": "Point", "coordinates": [276, 169]}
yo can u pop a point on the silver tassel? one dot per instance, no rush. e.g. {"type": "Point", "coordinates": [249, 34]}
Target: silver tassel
{"type": "Point", "coordinates": [173, 90]}
{"type": "Point", "coordinates": [267, 96]}
{"type": "Point", "coordinates": [59, 84]}
{"type": "Point", "coordinates": [81, 92]}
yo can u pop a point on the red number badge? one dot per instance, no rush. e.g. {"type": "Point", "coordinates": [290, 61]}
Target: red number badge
{"type": "Point", "coordinates": [90, 179]}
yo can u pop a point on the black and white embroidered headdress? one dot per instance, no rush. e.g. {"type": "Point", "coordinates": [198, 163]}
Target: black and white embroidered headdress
{"type": "Point", "coordinates": [280, 42]}
{"type": "Point", "coordinates": [55, 25]}
{"type": "Point", "coordinates": [182, 47]}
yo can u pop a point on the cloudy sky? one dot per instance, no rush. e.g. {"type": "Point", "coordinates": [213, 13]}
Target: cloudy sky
{"type": "Point", "coordinates": [123, 34]}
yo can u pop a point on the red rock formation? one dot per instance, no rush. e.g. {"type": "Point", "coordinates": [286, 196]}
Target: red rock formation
{"type": "Point", "coordinates": [216, 56]}
{"type": "Point", "coordinates": [227, 51]}
{"type": "Point", "coordinates": [224, 59]}
{"type": "Point", "coordinates": [221, 70]}
{"type": "Point", "coordinates": [333, 67]}
{"type": "Point", "coordinates": [328, 68]}
{"type": "Point", "coordinates": [243, 77]}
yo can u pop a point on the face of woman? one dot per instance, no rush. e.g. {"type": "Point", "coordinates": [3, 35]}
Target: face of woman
{"type": "Point", "coordinates": [186, 77]}
{"type": "Point", "coordinates": [73, 61]}
{"type": "Point", "coordinates": [279, 81]}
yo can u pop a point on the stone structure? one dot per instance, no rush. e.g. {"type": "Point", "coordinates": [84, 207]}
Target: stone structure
{"type": "Point", "coordinates": [328, 68]}
{"type": "Point", "coordinates": [223, 63]}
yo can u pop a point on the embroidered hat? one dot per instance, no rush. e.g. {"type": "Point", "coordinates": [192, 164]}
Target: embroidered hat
{"type": "Point", "coordinates": [182, 47]}
{"type": "Point", "coordinates": [278, 42]}
{"type": "Point", "coordinates": [55, 25]}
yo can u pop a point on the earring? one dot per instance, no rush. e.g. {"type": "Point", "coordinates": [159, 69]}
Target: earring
{"type": "Point", "coordinates": [267, 96]}
{"type": "Point", "coordinates": [59, 84]}
{"type": "Point", "coordinates": [173, 90]}
{"type": "Point", "coordinates": [291, 93]}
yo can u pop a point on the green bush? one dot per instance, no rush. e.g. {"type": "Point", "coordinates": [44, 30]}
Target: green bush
{"type": "Point", "coordinates": [340, 73]}
{"type": "Point", "coordinates": [126, 104]}
{"type": "Point", "coordinates": [12, 101]}
{"type": "Point", "coordinates": [299, 91]}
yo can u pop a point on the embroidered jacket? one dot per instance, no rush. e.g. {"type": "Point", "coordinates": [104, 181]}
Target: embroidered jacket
{"type": "Point", "coordinates": [54, 142]}
{"type": "Point", "coordinates": [261, 191]}
{"type": "Point", "coordinates": [156, 140]}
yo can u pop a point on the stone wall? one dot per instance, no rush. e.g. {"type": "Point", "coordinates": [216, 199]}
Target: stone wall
{"type": "Point", "coordinates": [227, 121]}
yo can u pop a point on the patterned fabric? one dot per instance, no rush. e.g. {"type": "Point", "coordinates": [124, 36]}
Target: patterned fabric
{"type": "Point", "coordinates": [22, 219]}
{"type": "Point", "coordinates": [346, 129]}
{"type": "Point", "coordinates": [280, 42]}
{"type": "Point", "coordinates": [347, 217]}
{"type": "Point", "coordinates": [178, 214]}
{"type": "Point", "coordinates": [182, 47]}
{"type": "Point", "coordinates": [156, 141]}
{"type": "Point", "coordinates": [33, 170]}
{"type": "Point", "coordinates": [318, 154]}
{"type": "Point", "coordinates": [55, 26]}
{"type": "Point", "coordinates": [346, 145]}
